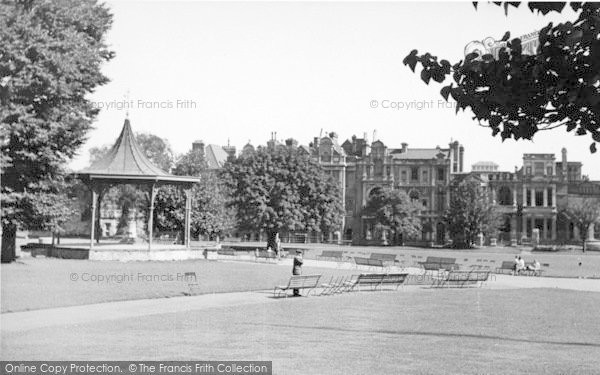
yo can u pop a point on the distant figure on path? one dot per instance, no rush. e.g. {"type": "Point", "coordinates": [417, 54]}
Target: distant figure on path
{"type": "Point", "coordinates": [278, 246]}
{"type": "Point", "coordinates": [297, 269]}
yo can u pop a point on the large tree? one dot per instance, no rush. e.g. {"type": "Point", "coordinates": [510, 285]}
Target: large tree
{"type": "Point", "coordinates": [516, 94]}
{"type": "Point", "coordinates": [583, 213]}
{"type": "Point", "coordinates": [211, 214]}
{"type": "Point", "coordinates": [471, 212]}
{"type": "Point", "coordinates": [50, 58]}
{"type": "Point", "coordinates": [281, 189]}
{"type": "Point", "coordinates": [394, 210]}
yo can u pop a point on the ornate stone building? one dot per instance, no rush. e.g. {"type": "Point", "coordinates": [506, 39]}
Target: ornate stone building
{"type": "Point", "coordinates": [530, 197]}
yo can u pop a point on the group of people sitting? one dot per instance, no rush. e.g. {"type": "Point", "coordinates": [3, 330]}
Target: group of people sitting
{"type": "Point", "coordinates": [520, 265]}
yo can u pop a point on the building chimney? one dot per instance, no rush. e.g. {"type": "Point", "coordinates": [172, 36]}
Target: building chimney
{"type": "Point", "coordinates": [198, 146]}
{"type": "Point", "coordinates": [404, 147]}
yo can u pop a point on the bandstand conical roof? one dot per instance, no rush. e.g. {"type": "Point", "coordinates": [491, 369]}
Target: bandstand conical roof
{"type": "Point", "coordinates": [126, 161]}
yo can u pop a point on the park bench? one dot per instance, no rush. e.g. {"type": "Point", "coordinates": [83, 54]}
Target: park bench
{"type": "Point", "coordinates": [192, 281]}
{"type": "Point", "coordinates": [439, 263]}
{"type": "Point", "coordinates": [462, 278]}
{"type": "Point", "coordinates": [376, 280]}
{"type": "Point", "coordinates": [226, 251]}
{"type": "Point", "coordinates": [334, 286]}
{"type": "Point", "coordinates": [530, 272]}
{"type": "Point", "coordinates": [510, 266]}
{"type": "Point", "coordinates": [395, 279]}
{"type": "Point", "coordinates": [331, 254]}
{"type": "Point", "coordinates": [309, 282]}
{"type": "Point", "coordinates": [267, 255]}
{"type": "Point", "coordinates": [360, 261]}
{"type": "Point", "coordinates": [506, 266]}
{"type": "Point", "coordinates": [384, 257]}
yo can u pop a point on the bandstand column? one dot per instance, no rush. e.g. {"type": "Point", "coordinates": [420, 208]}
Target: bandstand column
{"type": "Point", "coordinates": [188, 212]}
{"type": "Point", "coordinates": [93, 218]}
{"type": "Point", "coordinates": [153, 190]}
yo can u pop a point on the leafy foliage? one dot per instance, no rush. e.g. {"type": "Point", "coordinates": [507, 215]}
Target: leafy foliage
{"type": "Point", "coordinates": [157, 150]}
{"type": "Point", "coordinates": [210, 215]}
{"type": "Point", "coordinates": [583, 213]}
{"type": "Point", "coordinates": [470, 213]}
{"type": "Point", "coordinates": [50, 57]}
{"type": "Point", "coordinates": [517, 95]}
{"type": "Point", "coordinates": [394, 210]}
{"type": "Point", "coordinates": [280, 189]}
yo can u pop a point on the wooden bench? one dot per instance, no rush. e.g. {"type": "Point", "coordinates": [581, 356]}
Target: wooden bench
{"type": "Point", "coordinates": [376, 280]}
{"type": "Point", "coordinates": [462, 278]}
{"type": "Point", "coordinates": [368, 262]}
{"type": "Point", "coordinates": [226, 251]}
{"type": "Point", "coordinates": [530, 272]}
{"type": "Point", "coordinates": [309, 282]}
{"type": "Point", "coordinates": [266, 255]}
{"type": "Point", "coordinates": [331, 254]}
{"type": "Point", "coordinates": [506, 266]}
{"type": "Point", "coordinates": [510, 266]}
{"type": "Point", "coordinates": [192, 280]}
{"type": "Point", "coordinates": [336, 285]}
{"type": "Point", "coordinates": [384, 257]}
{"type": "Point", "coordinates": [439, 263]}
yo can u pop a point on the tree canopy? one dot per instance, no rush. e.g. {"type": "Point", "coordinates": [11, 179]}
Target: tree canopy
{"type": "Point", "coordinates": [516, 94]}
{"type": "Point", "coordinates": [394, 210]}
{"type": "Point", "coordinates": [211, 213]}
{"type": "Point", "coordinates": [280, 189]}
{"type": "Point", "coordinates": [583, 213]}
{"type": "Point", "coordinates": [471, 212]}
{"type": "Point", "coordinates": [50, 59]}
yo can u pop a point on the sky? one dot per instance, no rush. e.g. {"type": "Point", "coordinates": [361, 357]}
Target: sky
{"type": "Point", "coordinates": [232, 72]}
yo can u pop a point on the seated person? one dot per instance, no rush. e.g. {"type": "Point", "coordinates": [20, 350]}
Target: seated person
{"type": "Point", "coordinates": [533, 266]}
{"type": "Point", "coordinates": [519, 265]}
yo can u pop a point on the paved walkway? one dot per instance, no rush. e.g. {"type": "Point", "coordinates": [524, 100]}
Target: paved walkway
{"type": "Point", "coordinates": [73, 315]}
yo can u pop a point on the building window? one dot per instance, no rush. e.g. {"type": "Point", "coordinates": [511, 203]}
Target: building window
{"type": "Point", "coordinates": [538, 168]}
{"type": "Point", "coordinates": [424, 203]}
{"type": "Point", "coordinates": [549, 171]}
{"type": "Point", "coordinates": [414, 173]}
{"type": "Point", "coordinates": [528, 171]}
{"type": "Point", "coordinates": [550, 197]}
{"type": "Point", "coordinates": [425, 176]}
{"type": "Point", "coordinates": [441, 174]}
{"type": "Point", "coordinates": [440, 201]}
{"type": "Point", "coordinates": [539, 198]}
{"type": "Point", "coordinates": [505, 196]}
{"type": "Point", "coordinates": [403, 177]}
{"type": "Point", "coordinates": [414, 195]}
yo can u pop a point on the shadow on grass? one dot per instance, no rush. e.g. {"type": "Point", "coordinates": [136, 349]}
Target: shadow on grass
{"type": "Point", "coordinates": [436, 334]}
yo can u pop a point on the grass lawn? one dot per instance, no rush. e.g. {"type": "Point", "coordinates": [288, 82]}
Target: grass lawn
{"type": "Point", "coordinates": [416, 331]}
{"type": "Point", "coordinates": [38, 283]}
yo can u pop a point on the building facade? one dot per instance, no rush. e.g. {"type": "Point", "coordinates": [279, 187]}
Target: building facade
{"type": "Point", "coordinates": [529, 198]}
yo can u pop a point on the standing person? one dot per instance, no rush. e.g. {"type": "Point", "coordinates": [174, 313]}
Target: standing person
{"type": "Point", "coordinates": [297, 269]}
{"type": "Point", "coordinates": [278, 246]}
{"type": "Point", "coordinates": [516, 265]}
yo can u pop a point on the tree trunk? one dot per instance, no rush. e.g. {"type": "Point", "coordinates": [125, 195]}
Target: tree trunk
{"type": "Point", "coordinates": [9, 243]}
